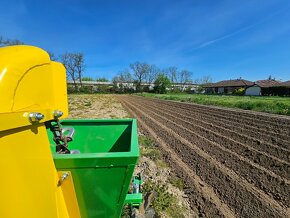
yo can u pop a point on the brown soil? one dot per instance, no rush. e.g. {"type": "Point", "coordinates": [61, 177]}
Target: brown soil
{"type": "Point", "coordinates": [95, 106]}
{"type": "Point", "coordinates": [235, 163]}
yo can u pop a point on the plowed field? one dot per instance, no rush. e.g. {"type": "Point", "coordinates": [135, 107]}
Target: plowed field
{"type": "Point", "coordinates": [234, 163]}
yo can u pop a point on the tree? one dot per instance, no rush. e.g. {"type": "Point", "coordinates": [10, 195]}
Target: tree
{"type": "Point", "coordinates": [74, 64]}
{"type": "Point", "coordinates": [204, 80]}
{"type": "Point", "coordinates": [161, 84]}
{"type": "Point", "coordinates": [125, 76]}
{"type": "Point", "coordinates": [7, 42]}
{"type": "Point", "coordinates": [102, 79]}
{"type": "Point", "coordinates": [80, 65]}
{"type": "Point", "coordinates": [140, 71]}
{"type": "Point", "coordinates": [201, 82]}
{"type": "Point", "coordinates": [171, 72]}
{"type": "Point", "coordinates": [152, 73]}
{"type": "Point", "coordinates": [185, 78]}
{"type": "Point", "coordinates": [52, 56]}
{"type": "Point", "coordinates": [122, 82]}
{"type": "Point", "coordinates": [87, 78]}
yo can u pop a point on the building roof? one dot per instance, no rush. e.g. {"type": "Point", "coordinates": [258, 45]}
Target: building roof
{"type": "Point", "coordinates": [287, 84]}
{"type": "Point", "coordinates": [231, 83]}
{"type": "Point", "coordinates": [267, 83]}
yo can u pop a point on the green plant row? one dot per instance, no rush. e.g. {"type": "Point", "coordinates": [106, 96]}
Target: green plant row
{"type": "Point", "coordinates": [273, 105]}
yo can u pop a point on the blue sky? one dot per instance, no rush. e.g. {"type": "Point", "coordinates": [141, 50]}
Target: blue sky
{"type": "Point", "coordinates": [223, 39]}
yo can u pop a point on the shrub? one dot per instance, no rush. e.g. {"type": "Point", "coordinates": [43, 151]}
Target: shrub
{"type": "Point", "coordinates": [240, 91]}
{"type": "Point", "coordinates": [161, 84]}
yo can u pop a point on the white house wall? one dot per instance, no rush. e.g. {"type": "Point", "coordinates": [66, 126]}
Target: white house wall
{"type": "Point", "coordinates": [254, 90]}
{"type": "Point", "coordinates": [221, 90]}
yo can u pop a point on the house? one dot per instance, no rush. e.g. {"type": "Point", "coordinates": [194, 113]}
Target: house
{"type": "Point", "coordinates": [285, 84]}
{"type": "Point", "coordinates": [262, 87]}
{"type": "Point", "coordinates": [283, 89]}
{"type": "Point", "coordinates": [227, 86]}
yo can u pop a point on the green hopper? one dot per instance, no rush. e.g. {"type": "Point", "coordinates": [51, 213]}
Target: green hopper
{"type": "Point", "coordinates": [102, 168]}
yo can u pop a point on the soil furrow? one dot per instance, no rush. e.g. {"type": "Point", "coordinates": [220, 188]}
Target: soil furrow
{"type": "Point", "coordinates": [225, 181]}
{"type": "Point", "coordinates": [202, 196]}
{"type": "Point", "coordinates": [260, 136]}
{"type": "Point", "coordinates": [274, 164]}
{"type": "Point", "coordinates": [262, 118]}
{"type": "Point", "coordinates": [226, 115]}
{"type": "Point", "coordinates": [274, 150]}
{"type": "Point", "coordinates": [269, 182]}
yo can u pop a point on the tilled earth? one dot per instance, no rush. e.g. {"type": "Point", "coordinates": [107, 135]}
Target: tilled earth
{"type": "Point", "coordinates": [235, 163]}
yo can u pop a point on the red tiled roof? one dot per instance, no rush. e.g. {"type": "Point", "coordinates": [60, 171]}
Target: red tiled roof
{"type": "Point", "coordinates": [267, 83]}
{"type": "Point", "coordinates": [231, 83]}
{"type": "Point", "coordinates": [287, 84]}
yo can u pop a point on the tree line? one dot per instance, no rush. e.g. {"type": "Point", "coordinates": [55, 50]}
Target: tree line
{"type": "Point", "coordinates": [144, 76]}
{"type": "Point", "coordinates": [139, 77]}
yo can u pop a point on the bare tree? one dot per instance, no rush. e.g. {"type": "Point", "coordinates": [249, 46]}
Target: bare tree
{"type": "Point", "coordinates": [185, 77]}
{"type": "Point", "coordinates": [7, 42]}
{"type": "Point", "coordinates": [122, 77]}
{"type": "Point", "coordinates": [122, 82]}
{"type": "Point", "coordinates": [152, 73]}
{"type": "Point", "coordinates": [140, 71]}
{"type": "Point", "coordinates": [74, 64]}
{"type": "Point", "coordinates": [125, 76]}
{"type": "Point", "coordinates": [172, 74]}
{"type": "Point", "coordinates": [204, 80]}
{"type": "Point", "coordinates": [68, 62]}
{"type": "Point", "coordinates": [80, 65]}
{"type": "Point", "coordinates": [52, 56]}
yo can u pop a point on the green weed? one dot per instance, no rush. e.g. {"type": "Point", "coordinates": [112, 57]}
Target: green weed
{"type": "Point", "coordinates": [164, 202]}
{"type": "Point", "coordinates": [88, 104]}
{"type": "Point", "coordinates": [273, 104]}
{"type": "Point", "coordinates": [177, 182]}
{"type": "Point", "coordinates": [148, 148]}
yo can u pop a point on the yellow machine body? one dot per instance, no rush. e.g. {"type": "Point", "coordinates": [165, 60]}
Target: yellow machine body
{"type": "Point", "coordinates": [29, 184]}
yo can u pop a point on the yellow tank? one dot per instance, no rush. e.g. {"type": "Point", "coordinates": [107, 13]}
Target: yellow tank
{"type": "Point", "coordinates": [32, 89]}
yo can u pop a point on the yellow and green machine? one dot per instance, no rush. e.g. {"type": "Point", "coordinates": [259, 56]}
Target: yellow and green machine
{"type": "Point", "coordinates": [58, 168]}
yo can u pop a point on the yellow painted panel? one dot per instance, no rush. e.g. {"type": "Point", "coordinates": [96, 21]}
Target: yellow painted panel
{"type": "Point", "coordinates": [29, 184]}
{"type": "Point", "coordinates": [69, 195]}
{"type": "Point", "coordinates": [59, 88]}
{"type": "Point", "coordinates": [15, 62]}
{"type": "Point", "coordinates": [30, 82]}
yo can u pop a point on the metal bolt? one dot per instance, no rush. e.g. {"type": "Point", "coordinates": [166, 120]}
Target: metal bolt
{"type": "Point", "coordinates": [57, 113]}
{"type": "Point", "coordinates": [35, 117]}
{"type": "Point", "coordinates": [63, 177]}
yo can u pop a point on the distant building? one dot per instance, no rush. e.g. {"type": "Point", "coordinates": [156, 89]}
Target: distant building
{"type": "Point", "coordinates": [94, 84]}
{"type": "Point", "coordinates": [285, 84]}
{"type": "Point", "coordinates": [227, 86]}
{"type": "Point", "coordinates": [262, 87]}
{"type": "Point", "coordinates": [283, 89]}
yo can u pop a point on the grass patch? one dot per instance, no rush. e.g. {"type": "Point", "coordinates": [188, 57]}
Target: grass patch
{"type": "Point", "coordinates": [177, 182]}
{"type": "Point", "coordinates": [88, 104]}
{"type": "Point", "coordinates": [274, 104]}
{"type": "Point", "coordinates": [146, 141]}
{"type": "Point", "coordinates": [164, 202]}
{"type": "Point", "coordinates": [148, 148]}
{"type": "Point", "coordinates": [160, 163]}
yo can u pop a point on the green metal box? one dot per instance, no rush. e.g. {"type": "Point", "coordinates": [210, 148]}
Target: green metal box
{"type": "Point", "coordinates": [103, 169]}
